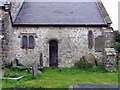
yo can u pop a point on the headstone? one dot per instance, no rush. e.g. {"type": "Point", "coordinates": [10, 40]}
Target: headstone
{"type": "Point", "coordinates": [41, 60]}
{"type": "Point", "coordinates": [34, 70]}
{"type": "Point", "coordinates": [99, 44]}
{"type": "Point", "coordinates": [14, 62]}
{"type": "Point", "coordinates": [90, 60]}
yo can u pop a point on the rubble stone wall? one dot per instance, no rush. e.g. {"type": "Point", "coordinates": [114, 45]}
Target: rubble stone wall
{"type": "Point", "coordinates": [72, 44]}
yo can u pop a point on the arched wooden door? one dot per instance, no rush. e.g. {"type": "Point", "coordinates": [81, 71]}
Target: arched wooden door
{"type": "Point", "coordinates": [53, 53]}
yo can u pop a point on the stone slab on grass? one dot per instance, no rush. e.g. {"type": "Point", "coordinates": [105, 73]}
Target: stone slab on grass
{"type": "Point", "coordinates": [93, 87]}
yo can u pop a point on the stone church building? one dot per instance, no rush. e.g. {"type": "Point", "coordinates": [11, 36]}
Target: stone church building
{"type": "Point", "coordinates": [63, 32]}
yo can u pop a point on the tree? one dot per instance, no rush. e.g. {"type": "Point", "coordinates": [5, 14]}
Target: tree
{"type": "Point", "coordinates": [117, 39]}
{"type": "Point", "coordinates": [117, 36]}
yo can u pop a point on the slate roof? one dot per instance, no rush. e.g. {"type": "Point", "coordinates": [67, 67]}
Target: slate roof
{"type": "Point", "coordinates": [60, 13]}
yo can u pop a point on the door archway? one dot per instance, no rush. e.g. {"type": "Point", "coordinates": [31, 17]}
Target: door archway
{"type": "Point", "coordinates": [53, 53]}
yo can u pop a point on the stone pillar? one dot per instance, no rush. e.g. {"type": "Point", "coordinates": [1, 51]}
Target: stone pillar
{"type": "Point", "coordinates": [109, 39]}
{"type": "Point", "coordinates": [110, 62]}
{"type": "Point", "coordinates": [1, 52]}
{"type": "Point", "coordinates": [6, 26]}
{"type": "Point", "coordinates": [34, 69]}
{"type": "Point", "coordinates": [1, 42]}
{"type": "Point", "coordinates": [109, 53]}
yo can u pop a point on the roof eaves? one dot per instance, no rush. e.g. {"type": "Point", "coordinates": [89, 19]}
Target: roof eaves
{"type": "Point", "coordinates": [78, 25]}
{"type": "Point", "coordinates": [103, 12]}
{"type": "Point", "coordinates": [18, 10]}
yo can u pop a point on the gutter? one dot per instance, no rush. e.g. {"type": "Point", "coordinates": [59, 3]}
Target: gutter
{"type": "Point", "coordinates": [59, 25]}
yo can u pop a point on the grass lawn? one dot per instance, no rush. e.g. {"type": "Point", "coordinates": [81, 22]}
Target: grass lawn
{"type": "Point", "coordinates": [119, 70]}
{"type": "Point", "coordinates": [61, 78]}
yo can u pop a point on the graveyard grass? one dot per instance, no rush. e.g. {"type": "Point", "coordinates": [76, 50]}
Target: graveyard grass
{"type": "Point", "coordinates": [61, 78]}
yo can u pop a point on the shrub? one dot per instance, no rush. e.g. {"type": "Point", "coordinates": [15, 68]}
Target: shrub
{"type": "Point", "coordinates": [98, 69]}
{"type": "Point", "coordinates": [119, 66]}
{"type": "Point", "coordinates": [10, 73]}
{"type": "Point", "coordinates": [117, 36]}
{"type": "Point", "coordinates": [117, 44]}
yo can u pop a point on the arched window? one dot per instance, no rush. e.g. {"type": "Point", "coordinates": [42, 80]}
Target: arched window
{"type": "Point", "coordinates": [27, 41]}
{"type": "Point", "coordinates": [90, 39]}
{"type": "Point", "coordinates": [24, 42]}
{"type": "Point", "coordinates": [31, 42]}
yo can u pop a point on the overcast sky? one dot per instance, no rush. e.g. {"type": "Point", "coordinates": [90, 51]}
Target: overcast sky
{"type": "Point", "coordinates": [112, 9]}
{"type": "Point", "coordinates": [110, 5]}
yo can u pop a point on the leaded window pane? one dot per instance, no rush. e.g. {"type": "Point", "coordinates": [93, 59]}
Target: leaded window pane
{"type": "Point", "coordinates": [24, 41]}
{"type": "Point", "coordinates": [90, 39]}
{"type": "Point", "coordinates": [31, 42]}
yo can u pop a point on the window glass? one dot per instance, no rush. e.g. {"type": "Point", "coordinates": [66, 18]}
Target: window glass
{"type": "Point", "coordinates": [90, 39]}
{"type": "Point", "coordinates": [24, 41]}
{"type": "Point", "coordinates": [31, 42]}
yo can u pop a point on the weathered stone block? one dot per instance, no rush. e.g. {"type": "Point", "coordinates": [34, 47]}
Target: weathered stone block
{"type": "Point", "coordinates": [99, 44]}
{"type": "Point", "coordinates": [109, 39]}
{"type": "Point", "coordinates": [14, 62]}
{"type": "Point", "coordinates": [90, 60]}
{"type": "Point", "coordinates": [110, 61]}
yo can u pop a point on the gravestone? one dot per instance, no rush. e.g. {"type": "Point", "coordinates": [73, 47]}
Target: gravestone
{"type": "Point", "coordinates": [34, 69]}
{"type": "Point", "coordinates": [90, 60]}
{"type": "Point", "coordinates": [99, 43]}
{"type": "Point", "coordinates": [41, 63]}
{"type": "Point", "coordinates": [41, 60]}
{"type": "Point", "coordinates": [14, 62]}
